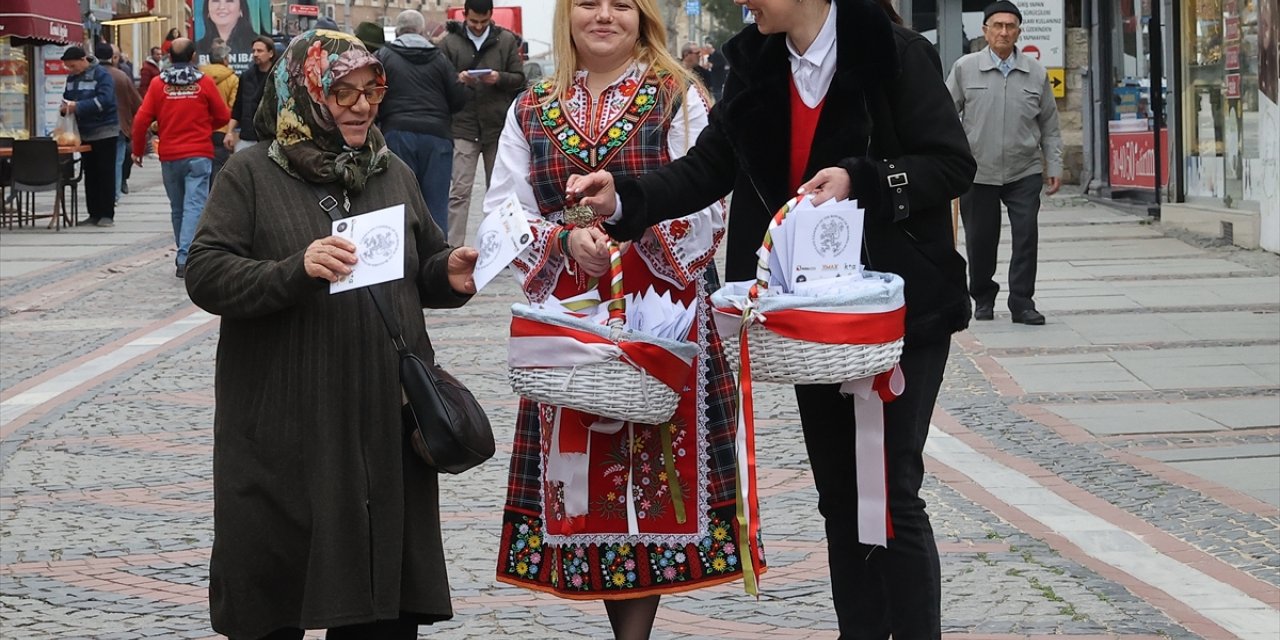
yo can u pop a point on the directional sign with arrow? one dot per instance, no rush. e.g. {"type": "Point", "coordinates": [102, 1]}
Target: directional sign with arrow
{"type": "Point", "coordinates": [1057, 80]}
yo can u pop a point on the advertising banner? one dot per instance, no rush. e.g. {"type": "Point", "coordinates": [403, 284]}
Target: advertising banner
{"type": "Point", "coordinates": [236, 22]}
{"type": "Point", "coordinates": [1133, 159]}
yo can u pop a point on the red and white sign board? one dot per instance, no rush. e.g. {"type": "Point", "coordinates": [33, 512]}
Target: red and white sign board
{"type": "Point", "coordinates": [1043, 31]}
{"type": "Point", "coordinates": [308, 10]}
{"type": "Point", "coordinates": [1133, 159]}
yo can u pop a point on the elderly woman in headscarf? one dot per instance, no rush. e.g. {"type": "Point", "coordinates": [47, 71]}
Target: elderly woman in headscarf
{"type": "Point", "coordinates": [323, 515]}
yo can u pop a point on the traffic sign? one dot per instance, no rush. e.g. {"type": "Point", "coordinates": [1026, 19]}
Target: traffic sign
{"type": "Point", "coordinates": [1044, 29]}
{"type": "Point", "coordinates": [309, 10]}
{"type": "Point", "coordinates": [1032, 50]}
{"type": "Point", "coordinates": [1057, 80]}
{"type": "Point", "coordinates": [693, 7]}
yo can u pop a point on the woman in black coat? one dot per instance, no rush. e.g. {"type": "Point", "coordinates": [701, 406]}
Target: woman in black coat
{"type": "Point", "coordinates": [887, 135]}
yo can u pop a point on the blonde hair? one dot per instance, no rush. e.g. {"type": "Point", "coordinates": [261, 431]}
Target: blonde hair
{"type": "Point", "coordinates": [650, 50]}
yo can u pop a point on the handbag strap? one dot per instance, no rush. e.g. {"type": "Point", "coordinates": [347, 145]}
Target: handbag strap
{"type": "Point", "coordinates": [380, 302]}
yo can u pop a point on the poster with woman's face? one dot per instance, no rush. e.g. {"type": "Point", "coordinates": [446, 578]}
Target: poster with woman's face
{"type": "Point", "coordinates": [236, 23]}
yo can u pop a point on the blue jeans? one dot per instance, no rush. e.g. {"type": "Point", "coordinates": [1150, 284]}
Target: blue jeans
{"type": "Point", "coordinates": [186, 182]}
{"type": "Point", "coordinates": [122, 149]}
{"type": "Point", "coordinates": [431, 158]}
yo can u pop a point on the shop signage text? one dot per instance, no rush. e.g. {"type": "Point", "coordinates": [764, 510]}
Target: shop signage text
{"type": "Point", "coordinates": [1043, 31]}
{"type": "Point", "coordinates": [1133, 159]}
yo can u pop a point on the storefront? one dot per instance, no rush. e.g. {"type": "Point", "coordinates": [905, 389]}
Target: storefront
{"type": "Point", "coordinates": [1229, 95]}
{"type": "Point", "coordinates": [33, 34]}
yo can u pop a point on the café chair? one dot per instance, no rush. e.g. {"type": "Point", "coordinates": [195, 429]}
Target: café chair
{"type": "Point", "coordinates": [36, 169]}
{"type": "Point", "coordinates": [8, 215]}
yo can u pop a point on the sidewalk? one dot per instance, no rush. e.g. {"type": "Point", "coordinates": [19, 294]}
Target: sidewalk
{"type": "Point", "coordinates": [1114, 473]}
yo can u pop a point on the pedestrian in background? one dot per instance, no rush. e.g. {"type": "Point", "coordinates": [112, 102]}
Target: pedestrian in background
{"type": "Point", "coordinates": [253, 81]}
{"type": "Point", "coordinates": [187, 107]}
{"type": "Point", "coordinates": [714, 61]}
{"type": "Point", "coordinates": [423, 93]}
{"type": "Point", "coordinates": [124, 64]}
{"type": "Point", "coordinates": [372, 35]}
{"type": "Point", "coordinates": [150, 69]}
{"type": "Point", "coordinates": [323, 516]}
{"type": "Point", "coordinates": [127, 103]}
{"type": "Point", "coordinates": [228, 86]}
{"type": "Point", "coordinates": [476, 44]}
{"type": "Point", "coordinates": [1011, 118]}
{"type": "Point", "coordinates": [896, 146]}
{"type": "Point", "coordinates": [565, 528]}
{"type": "Point", "coordinates": [691, 60]}
{"type": "Point", "coordinates": [90, 95]}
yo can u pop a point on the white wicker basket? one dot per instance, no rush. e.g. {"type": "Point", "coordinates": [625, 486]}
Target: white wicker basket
{"type": "Point", "coordinates": [778, 358]}
{"type": "Point", "coordinates": [613, 389]}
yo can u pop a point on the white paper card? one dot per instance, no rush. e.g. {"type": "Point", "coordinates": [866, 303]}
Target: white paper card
{"type": "Point", "coordinates": [826, 241]}
{"type": "Point", "coordinates": [502, 236]}
{"type": "Point", "coordinates": [379, 239]}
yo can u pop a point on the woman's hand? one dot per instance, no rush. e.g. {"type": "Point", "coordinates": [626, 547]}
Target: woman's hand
{"type": "Point", "coordinates": [462, 268]}
{"type": "Point", "coordinates": [594, 190]}
{"type": "Point", "coordinates": [329, 258]}
{"type": "Point", "coordinates": [589, 247]}
{"type": "Point", "coordinates": [831, 183]}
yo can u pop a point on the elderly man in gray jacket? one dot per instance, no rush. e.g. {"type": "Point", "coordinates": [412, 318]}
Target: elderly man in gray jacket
{"type": "Point", "coordinates": [1009, 114]}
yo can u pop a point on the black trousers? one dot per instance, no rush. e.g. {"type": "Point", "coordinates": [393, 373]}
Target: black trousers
{"type": "Point", "coordinates": [879, 591]}
{"type": "Point", "coordinates": [401, 629]}
{"type": "Point", "coordinates": [126, 167]}
{"type": "Point", "coordinates": [99, 165]}
{"type": "Point", "coordinates": [980, 210]}
{"type": "Point", "coordinates": [220, 155]}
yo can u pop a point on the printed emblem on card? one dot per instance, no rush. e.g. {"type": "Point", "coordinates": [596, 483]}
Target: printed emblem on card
{"type": "Point", "coordinates": [380, 244]}
{"type": "Point", "coordinates": [831, 236]}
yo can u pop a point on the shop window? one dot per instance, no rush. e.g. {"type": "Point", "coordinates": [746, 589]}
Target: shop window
{"type": "Point", "coordinates": [1221, 125]}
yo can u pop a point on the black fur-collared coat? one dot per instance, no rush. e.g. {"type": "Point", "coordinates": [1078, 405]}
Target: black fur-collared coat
{"type": "Point", "coordinates": [887, 113]}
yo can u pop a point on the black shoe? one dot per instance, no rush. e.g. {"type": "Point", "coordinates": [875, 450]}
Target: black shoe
{"type": "Point", "coordinates": [91, 221]}
{"type": "Point", "coordinates": [984, 312]}
{"type": "Point", "coordinates": [124, 186]}
{"type": "Point", "coordinates": [181, 271]}
{"type": "Point", "coordinates": [1028, 316]}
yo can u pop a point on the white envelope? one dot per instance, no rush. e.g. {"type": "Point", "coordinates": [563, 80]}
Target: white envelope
{"type": "Point", "coordinates": [379, 239]}
{"type": "Point", "coordinates": [502, 236]}
{"type": "Point", "coordinates": [826, 241]}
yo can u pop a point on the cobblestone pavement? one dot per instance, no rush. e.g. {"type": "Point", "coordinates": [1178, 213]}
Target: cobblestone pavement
{"type": "Point", "coordinates": [106, 386]}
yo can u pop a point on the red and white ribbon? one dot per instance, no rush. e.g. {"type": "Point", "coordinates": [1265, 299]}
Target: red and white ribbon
{"type": "Point", "coordinates": [541, 344]}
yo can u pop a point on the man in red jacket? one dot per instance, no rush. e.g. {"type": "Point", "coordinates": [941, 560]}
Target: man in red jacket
{"type": "Point", "coordinates": [188, 107]}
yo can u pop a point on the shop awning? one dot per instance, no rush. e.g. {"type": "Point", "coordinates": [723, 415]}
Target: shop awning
{"type": "Point", "coordinates": [46, 20]}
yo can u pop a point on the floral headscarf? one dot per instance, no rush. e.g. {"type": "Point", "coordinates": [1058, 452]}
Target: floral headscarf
{"type": "Point", "coordinates": [305, 140]}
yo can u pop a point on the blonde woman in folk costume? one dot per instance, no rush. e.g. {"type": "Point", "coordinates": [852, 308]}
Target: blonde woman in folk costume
{"type": "Point", "coordinates": [618, 102]}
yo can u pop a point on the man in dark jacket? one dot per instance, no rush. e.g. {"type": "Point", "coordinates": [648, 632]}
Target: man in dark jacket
{"type": "Point", "coordinates": [416, 116]}
{"type": "Point", "coordinates": [91, 95]}
{"type": "Point", "coordinates": [240, 131]}
{"type": "Point", "coordinates": [474, 48]}
{"type": "Point", "coordinates": [127, 103]}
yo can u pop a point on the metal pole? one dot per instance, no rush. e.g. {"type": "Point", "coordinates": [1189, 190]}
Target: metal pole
{"type": "Point", "coordinates": [1156, 31]}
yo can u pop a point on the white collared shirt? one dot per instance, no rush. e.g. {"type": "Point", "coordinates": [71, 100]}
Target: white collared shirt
{"type": "Point", "coordinates": [814, 70]}
{"type": "Point", "coordinates": [477, 40]}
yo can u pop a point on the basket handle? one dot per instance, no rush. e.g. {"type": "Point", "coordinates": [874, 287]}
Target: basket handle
{"type": "Point", "coordinates": [766, 248]}
{"type": "Point", "coordinates": [617, 301]}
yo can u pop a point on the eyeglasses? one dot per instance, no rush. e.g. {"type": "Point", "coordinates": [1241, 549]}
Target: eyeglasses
{"type": "Point", "coordinates": [1001, 26]}
{"type": "Point", "coordinates": [347, 97]}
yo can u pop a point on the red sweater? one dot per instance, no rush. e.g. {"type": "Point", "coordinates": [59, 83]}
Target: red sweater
{"type": "Point", "coordinates": [187, 114]}
{"type": "Point", "coordinates": [804, 123]}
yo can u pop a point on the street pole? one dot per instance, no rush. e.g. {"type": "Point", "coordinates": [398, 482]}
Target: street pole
{"type": "Point", "coordinates": [1156, 33]}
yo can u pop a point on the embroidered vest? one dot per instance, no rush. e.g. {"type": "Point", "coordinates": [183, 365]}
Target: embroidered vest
{"type": "Point", "coordinates": [635, 144]}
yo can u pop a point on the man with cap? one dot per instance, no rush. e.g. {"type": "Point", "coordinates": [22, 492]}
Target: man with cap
{"type": "Point", "coordinates": [90, 95]}
{"type": "Point", "coordinates": [127, 103]}
{"type": "Point", "coordinates": [1009, 114]}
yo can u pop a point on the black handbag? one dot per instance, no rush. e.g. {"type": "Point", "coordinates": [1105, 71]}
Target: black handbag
{"type": "Point", "coordinates": [447, 426]}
